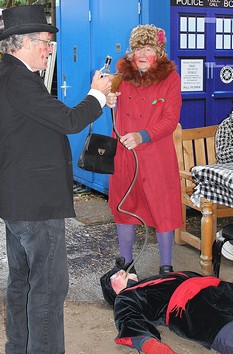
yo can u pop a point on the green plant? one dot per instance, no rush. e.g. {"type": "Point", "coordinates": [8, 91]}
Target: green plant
{"type": "Point", "coordinates": [7, 3]}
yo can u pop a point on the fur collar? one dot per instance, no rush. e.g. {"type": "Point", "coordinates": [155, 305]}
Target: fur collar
{"type": "Point", "coordinates": [157, 72]}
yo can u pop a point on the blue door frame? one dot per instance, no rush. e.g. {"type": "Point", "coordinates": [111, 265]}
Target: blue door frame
{"type": "Point", "coordinates": [207, 63]}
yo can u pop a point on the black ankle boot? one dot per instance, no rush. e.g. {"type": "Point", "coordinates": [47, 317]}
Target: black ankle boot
{"type": "Point", "coordinates": [165, 269]}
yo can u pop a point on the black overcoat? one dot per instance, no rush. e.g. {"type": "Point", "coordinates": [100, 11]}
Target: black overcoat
{"type": "Point", "coordinates": [36, 178]}
{"type": "Point", "coordinates": [140, 308]}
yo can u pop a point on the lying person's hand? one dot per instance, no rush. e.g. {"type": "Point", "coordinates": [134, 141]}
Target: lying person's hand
{"type": "Point", "coordinates": [153, 346]}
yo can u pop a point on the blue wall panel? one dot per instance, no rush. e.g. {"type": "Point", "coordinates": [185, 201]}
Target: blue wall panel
{"type": "Point", "coordinates": [193, 117]}
{"type": "Point", "coordinates": [94, 29]}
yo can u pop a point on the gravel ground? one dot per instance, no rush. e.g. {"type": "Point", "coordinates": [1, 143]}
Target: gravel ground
{"type": "Point", "coordinates": [92, 248]}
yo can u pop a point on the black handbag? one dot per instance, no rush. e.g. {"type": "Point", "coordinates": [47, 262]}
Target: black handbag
{"type": "Point", "coordinates": [98, 153]}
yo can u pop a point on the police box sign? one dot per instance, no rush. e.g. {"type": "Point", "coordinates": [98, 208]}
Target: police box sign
{"type": "Point", "coordinates": [203, 3]}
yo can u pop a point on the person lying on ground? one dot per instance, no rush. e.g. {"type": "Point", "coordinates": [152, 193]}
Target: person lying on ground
{"type": "Point", "coordinates": [193, 306]}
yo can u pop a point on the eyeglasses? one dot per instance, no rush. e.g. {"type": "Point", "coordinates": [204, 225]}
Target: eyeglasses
{"type": "Point", "coordinates": [48, 42]}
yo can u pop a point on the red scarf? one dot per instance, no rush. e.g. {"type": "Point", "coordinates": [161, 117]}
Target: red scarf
{"type": "Point", "coordinates": [186, 291]}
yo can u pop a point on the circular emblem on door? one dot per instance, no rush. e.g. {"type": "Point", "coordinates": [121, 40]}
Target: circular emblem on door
{"type": "Point", "coordinates": [226, 74]}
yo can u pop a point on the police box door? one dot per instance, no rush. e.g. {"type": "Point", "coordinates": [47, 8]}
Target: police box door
{"type": "Point", "coordinates": [202, 46]}
{"type": "Point", "coordinates": [90, 30]}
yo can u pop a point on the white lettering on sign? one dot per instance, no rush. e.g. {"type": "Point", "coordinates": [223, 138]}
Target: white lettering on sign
{"type": "Point", "coordinates": [202, 3]}
{"type": "Point", "coordinates": [228, 3]}
{"type": "Point", "coordinates": [213, 3]}
{"type": "Point", "coordinates": [191, 75]}
{"type": "Point", "coordinates": [190, 2]}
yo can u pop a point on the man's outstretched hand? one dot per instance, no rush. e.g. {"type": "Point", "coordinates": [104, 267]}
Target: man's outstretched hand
{"type": "Point", "coordinates": [153, 346]}
{"type": "Point", "coordinates": [102, 84]}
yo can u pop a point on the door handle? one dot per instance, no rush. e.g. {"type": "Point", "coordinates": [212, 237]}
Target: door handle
{"type": "Point", "coordinates": [207, 70]}
{"type": "Point", "coordinates": [64, 86]}
{"type": "Point", "coordinates": [210, 70]}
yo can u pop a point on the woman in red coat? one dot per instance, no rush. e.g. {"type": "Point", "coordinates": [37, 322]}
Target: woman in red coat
{"type": "Point", "coordinates": [147, 114]}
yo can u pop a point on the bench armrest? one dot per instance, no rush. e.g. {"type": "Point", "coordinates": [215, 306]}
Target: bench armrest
{"type": "Point", "coordinates": [186, 175]}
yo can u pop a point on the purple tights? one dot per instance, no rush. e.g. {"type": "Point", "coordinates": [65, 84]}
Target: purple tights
{"type": "Point", "coordinates": [165, 241]}
{"type": "Point", "coordinates": [126, 236]}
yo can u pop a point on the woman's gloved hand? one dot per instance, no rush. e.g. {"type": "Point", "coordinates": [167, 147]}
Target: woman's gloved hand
{"type": "Point", "coordinates": [153, 346]}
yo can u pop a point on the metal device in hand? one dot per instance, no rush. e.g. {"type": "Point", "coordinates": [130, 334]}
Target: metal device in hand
{"type": "Point", "coordinates": [105, 70]}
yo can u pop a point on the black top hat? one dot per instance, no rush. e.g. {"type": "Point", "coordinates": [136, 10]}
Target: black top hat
{"type": "Point", "coordinates": [25, 19]}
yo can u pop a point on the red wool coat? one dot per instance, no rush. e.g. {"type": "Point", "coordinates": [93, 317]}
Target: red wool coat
{"type": "Point", "coordinates": [156, 195]}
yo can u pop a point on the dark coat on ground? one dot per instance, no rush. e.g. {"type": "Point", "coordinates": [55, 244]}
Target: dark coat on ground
{"type": "Point", "coordinates": [139, 310]}
{"type": "Point", "coordinates": [36, 177]}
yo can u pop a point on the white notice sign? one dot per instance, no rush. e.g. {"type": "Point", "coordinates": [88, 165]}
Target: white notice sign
{"type": "Point", "coordinates": [191, 75]}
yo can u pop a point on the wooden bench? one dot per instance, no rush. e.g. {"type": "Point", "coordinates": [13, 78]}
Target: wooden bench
{"type": "Point", "coordinates": [194, 147]}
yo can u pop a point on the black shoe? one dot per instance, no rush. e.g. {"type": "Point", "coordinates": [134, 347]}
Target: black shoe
{"type": "Point", "coordinates": [165, 269]}
{"type": "Point", "coordinates": [120, 262]}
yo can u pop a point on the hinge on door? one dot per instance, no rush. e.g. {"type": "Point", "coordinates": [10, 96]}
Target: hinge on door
{"type": "Point", "coordinates": [89, 16]}
{"type": "Point", "coordinates": [139, 8]}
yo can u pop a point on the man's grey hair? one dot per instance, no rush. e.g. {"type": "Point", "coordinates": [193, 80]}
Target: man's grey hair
{"type": "Point", "coordinates": [15, 42]}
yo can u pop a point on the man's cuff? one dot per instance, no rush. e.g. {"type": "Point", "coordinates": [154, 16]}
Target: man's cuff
{"type": "Point", "coordinates": [99, 96]}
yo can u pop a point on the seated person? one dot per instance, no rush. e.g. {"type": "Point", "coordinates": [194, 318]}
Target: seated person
{"type": "Point", "coordinates": [224, 141]}
{"type": "Point", "coordinates": [224, 154]}
{"type": "Point", "coordinates": [193, 306]}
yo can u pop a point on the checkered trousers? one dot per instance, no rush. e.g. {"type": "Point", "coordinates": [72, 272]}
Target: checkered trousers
{"type": "Point", "coordinates": [224, 141]}
{"type": "Point", "coordinates": [213, 182]}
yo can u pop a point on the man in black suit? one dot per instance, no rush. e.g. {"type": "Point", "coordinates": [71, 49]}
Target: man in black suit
{"type": "Point", "coordinates": [36, 181]}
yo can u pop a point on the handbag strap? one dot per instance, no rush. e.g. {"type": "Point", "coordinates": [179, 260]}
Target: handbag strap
{"type": "Point", "coordinates": [90, 128]}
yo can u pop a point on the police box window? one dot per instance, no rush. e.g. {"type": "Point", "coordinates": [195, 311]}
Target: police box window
{"type": "Point", "coordinates": [192, 32]}
{"type": "Point", "coordinates": [224, 33]}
